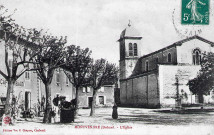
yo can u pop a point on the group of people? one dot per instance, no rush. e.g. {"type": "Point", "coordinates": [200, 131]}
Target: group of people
{"type": "Point", "coordinates": [60, 104]}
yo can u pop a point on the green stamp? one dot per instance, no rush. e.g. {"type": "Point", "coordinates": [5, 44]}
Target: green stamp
{"type": "Point", "coordinates": [195, 12]}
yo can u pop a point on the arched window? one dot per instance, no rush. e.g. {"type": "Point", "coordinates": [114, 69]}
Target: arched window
{"type": "Point", "coordinates": [196, 57]}
{"type": "Point", "coordinates": [130, 49]}
{"type": "Point", "coordinates": [169, 57]}
{"type": "Point", "coordinates": [147, 66]}
{"type": "Point", "coordinates": [156, 60]}
{"type": "Point", "coordinates": [135, 49]}
{"type": "Point", "coordinates": [27, 73]}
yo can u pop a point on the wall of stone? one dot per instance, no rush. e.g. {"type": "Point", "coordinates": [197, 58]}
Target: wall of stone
{"type": "Point", "coordinates": [162, 56]}
{"type": "Point", "coordinates": [130, 91]}
{"type": "Point", "coordinates": [167, 79]}
{"type": "Point", "coordinates": [107, 92]}
{"type": "Point", "coordinates": [185, 50]}
{"type": "Point", "coordinates": [153, 91]}
{"type": "Point", "coordinates": [140, 91]}
{"type": "Point", "coordinates": [123, 93]}
{"type": "Point", "coordinates": [129, 66]}
{"type": "Point", "coordinates": [137, 41]}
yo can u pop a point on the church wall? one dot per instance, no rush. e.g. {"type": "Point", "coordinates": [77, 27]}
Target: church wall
{"type": "Point", "coordinates": [134, 91]}
{"type": "Point", "coordinates": [137, 41]}
{"type": "Point", "coordinates": [159, 55]}
{"type": "Point", "coordinates": [185, 50]}
{"type": "Point", "coordinates": [122, 70]}
{"type": "Point", "coordinates": [143, 61]}
{"type": "Point", "coordinates": [172, 51]}
{"type": "Point", "coordinates": [153, 91]}
{"type": "Point", "coordinates": [167, 74]}
{"type": "Point", "coordinates": [130, 91]}
{"type": "Point", "coordinates": [162, 58]}
{"type": "Point", "coordinates": [151, 63]}
{"type": "Point", "coordinates": [122, 50]}
{"type": "Point", "coordinates": [129, 66]}
{"type": "Point", "coordinates": [123, 92]}
{"type": "Point", "coordinates": [167, 87]}
{"type": "Point", "coordinates": [140, 91]}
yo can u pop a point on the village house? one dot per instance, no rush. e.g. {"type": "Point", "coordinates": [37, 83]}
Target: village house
{"type": "Point", "coordinates": [104, 98]}
{"type": "Point", "coordinates": [29, 90]}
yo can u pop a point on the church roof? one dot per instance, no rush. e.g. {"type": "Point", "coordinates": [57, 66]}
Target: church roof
{"type": "Point", "coordinates": [179, 43]}
{"type": "Point", "coordinates": [195, 37]}
{"type": "Point", "coordinates": [137, 69]}
{"type": "Point", "coordinates": [130, 32]}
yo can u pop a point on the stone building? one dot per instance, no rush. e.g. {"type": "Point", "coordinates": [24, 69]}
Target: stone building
{"type": "Point", "coordinates": [104, 98]}
{"type": "Point", "coordinates": [157, 79]}
{"type": "Point", "coordinates": [29, 89]}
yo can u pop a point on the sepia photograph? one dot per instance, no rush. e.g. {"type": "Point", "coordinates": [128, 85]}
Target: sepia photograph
{"type": "Point", "coordinates": [106, 67]}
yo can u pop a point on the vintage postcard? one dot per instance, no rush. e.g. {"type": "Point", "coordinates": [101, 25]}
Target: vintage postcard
{"type": "Point", "coordinates": [106, 67]}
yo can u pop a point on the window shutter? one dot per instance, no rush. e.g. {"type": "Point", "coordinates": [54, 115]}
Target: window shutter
{"type": "Point", "coordinates": [104, 99]}
{"type": "Point", "coordinates": [102, 89]}
{"type": "Point", "coordinates": [83, 89]}
{"type": "Point", "coordinates": [88, 89]}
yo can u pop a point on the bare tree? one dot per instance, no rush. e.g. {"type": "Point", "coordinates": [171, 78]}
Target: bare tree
{"type": "Point", "coordinates": [78, 62]}
{"type": "Point", "coordinates": [100, 73]}
{"type": "Point", "coordinates": [50, 58]}
{"type": "Point", "coordinates": [18, 53]}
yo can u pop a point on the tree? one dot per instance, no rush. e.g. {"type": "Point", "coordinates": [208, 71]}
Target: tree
{"type": "Point", "coordinates": [78, 63]}
{"type": "Point", "coordinates": [204, 82]}
{"type": "Point", "coordinates": [101, 72]}
{"type": "Point", "coordinates": [50, 58]}
{"type": "Point", "coordinates": [17, 50]}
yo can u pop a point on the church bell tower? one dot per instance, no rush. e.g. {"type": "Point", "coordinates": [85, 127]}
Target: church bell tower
{"type": "Point", "coordinates": [130, 43]}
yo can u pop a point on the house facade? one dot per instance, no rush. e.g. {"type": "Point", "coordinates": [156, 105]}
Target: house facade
{"type": "Point", "coordinates": [104, 97]}
{"type": "Point", "coordinates": [157, 79]}
{"type": "Point", "coordinates": [29, 90]}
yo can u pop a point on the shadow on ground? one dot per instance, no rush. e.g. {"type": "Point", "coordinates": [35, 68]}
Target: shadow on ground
{"type": "Point", "coordinates": [167, 117]}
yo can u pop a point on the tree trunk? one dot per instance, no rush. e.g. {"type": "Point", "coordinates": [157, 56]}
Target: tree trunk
{"type": "Point", "coordinates": [48, 109]}
{"type": "Point", "coordinates": [77, 102]}
{"type": "Point", "coordinates": [8, 105]}
{"type": "Point", "coordinates": [93, 103]}
{"type": "Point", "coordinates": [200, 98]}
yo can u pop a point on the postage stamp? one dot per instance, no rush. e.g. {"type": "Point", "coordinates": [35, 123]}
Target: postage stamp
{"type": "Point", "coordinates": [195, 12]}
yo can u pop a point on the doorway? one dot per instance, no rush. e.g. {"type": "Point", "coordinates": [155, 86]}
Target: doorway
{"type": "Point", "coordinates": [90, 99]}
{"type": "Point", "coordinates": [27, 100]}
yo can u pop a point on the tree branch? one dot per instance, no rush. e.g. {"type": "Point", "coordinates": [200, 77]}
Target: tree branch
{"type": "Point", "coordinates": [6, 61]}
{"type": "Point", "coordinates": [4, 75]}
{"type": "Point", "coordinates": [21, 73]}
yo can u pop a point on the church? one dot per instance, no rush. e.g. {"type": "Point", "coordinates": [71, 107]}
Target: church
{"type": "Point", "coordinates": [157, 79]}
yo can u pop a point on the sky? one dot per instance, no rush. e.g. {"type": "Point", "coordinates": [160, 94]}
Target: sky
{"type": "Point", "coordinates": [97, 24]}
